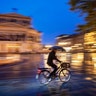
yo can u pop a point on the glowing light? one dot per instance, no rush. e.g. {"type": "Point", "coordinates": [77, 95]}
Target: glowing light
{"type": "Point", "coordinates": [67, 48]}
{"type": "Point", "coordinates": [64, 43]}
{"type": "Point", "coordinates": [95, 65]}
{"type": "Point", "coordinates": [94, 44]}
{"type": "Point", "coordinates": [48, 46]}
{"type": "Point", "coordinates": [88, 78]}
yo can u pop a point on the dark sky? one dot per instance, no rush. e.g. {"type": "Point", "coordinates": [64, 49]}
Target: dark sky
{"type": "Point", "coordinates": [51, 17]}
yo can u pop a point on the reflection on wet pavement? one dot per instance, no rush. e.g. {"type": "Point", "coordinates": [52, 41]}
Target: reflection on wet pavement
{"type": "Point", "coordinates": [19, 79]}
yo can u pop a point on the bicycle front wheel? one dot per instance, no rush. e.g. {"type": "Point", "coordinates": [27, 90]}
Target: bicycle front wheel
{"type": "Point", "coordinates": [64, 75]}
{"type": "Point", "coordinates": [43, 76]}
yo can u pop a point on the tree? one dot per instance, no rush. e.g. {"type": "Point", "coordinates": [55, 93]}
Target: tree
{"type": "Point", "coordinates": [87, 8]}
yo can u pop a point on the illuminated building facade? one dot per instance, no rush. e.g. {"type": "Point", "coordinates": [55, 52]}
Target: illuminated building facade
{"type": "Point", "coordinates": [90, 41]}
{"type": "Point", "coordinates": [77, 43]}
{"type": "Point", "coordinates": [17, 35]}
{"type": "Point", "coordinates": [81, 42]}
{"type": "Point", "coordinates": [82, 50]}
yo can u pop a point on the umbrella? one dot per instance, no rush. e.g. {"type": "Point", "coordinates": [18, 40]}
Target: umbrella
{"type": "Point", "coordinates": [57, 48]}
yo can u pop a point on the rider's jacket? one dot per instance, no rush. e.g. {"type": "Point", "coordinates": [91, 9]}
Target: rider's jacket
{"type": "Point", "coordinates": [52, 57]}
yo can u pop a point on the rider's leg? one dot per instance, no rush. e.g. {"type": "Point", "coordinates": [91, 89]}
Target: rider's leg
{"type": "Point", "coordinates": [54, 69]}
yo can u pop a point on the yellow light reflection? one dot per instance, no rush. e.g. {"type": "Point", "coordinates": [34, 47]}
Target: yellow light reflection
{"type": "Point", "coordinates": [10, 58]}
{"type": "Point", "coordinates": [77, 60]}
{"type": "Point", "coordinates": [45, 61]}
{"type": "Point", "coordinates": [15, 57]}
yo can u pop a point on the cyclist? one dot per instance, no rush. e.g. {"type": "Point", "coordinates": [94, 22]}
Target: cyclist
{"type": "Point", "coordinates": [51, 57]}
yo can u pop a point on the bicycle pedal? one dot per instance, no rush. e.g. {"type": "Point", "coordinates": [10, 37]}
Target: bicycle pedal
{"type": "Point", "coordinates": [53, 77]}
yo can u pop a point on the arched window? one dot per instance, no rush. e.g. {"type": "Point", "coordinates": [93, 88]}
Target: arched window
{"type": "Point", "coordinates": [2, 20]}
{"type": "Point", "coordinates": [26, 22]}
{"type": "Point", "coordinates": [13, 20]}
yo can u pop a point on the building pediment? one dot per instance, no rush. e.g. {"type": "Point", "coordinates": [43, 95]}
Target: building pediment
{"type": "Point", "coordinates": [10, 24]}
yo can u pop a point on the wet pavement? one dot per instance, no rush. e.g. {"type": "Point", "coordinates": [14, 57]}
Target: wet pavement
{"type": "Point", "coordinates": [19, 80]}
{"type": "Point", "coordinates": [29, 86]}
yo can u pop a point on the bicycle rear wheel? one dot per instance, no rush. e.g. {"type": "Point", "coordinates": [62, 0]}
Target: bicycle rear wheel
{"type": "Point", "coordinates": [43, 76]}
{"type": "Point", "coordinates": [64, 75]}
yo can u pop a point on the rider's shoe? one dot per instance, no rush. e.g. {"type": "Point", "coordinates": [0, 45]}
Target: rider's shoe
{"type": "Point", "coordinates": [49, 79]}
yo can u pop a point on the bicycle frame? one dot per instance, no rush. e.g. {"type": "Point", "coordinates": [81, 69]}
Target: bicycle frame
{"type": "Point", "coordinates": [67, 65]}
{"type": "Point", "coordinates": [58, 69]}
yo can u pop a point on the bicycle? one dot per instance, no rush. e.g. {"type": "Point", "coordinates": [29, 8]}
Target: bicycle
{"type": "Point", "coordinates": [62, 71]}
